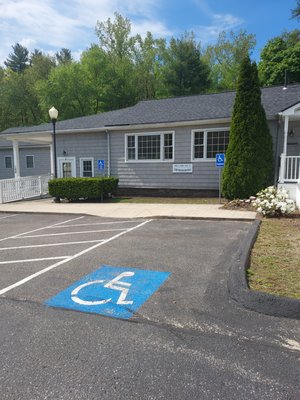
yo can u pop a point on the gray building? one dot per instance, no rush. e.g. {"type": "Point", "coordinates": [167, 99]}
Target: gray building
{"type": "Point", "coordinates": [156, 145]}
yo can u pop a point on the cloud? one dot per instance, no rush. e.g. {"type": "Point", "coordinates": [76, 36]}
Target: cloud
{"type": "Point", "coordinates": [220, 22]}
{"type": "Point", "coordinates": [51, 25]}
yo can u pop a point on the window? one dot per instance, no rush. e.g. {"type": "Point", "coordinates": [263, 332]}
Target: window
{"type": "Point", "coordinates": [8, 161]}
{"type": "Point", "coordinates": [86, 167]}
{"type": "Point", "coordinates": [29, 162]}
{"type": "Point", "coordinates": [150, 147]}
{"type": "Point", "coordinates": [207, 143]}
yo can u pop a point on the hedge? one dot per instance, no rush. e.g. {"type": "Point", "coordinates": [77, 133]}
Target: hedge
{"type": "Point", "coordinates": [82, 188]}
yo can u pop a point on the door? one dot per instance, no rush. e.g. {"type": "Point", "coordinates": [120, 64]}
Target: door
{"type": "Point", "coordinates": [66, 167]}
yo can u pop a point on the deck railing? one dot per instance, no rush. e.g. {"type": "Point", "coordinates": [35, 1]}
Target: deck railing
{"type": "Point", "coordinates": [289, 168]}
{"type": "Point", "coordinates": [23, 188]}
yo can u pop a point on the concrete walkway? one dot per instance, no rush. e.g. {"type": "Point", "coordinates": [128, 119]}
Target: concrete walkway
{"type": "Point", "coordinates": [129, 210]}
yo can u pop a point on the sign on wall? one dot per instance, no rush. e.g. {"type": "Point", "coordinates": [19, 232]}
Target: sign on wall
{"type": "Point", "coordinates": [220, 160]}
{"type": "Point", "coordinates": [101, 165]}
{"type": "Point", "coordinates": [182, 168]}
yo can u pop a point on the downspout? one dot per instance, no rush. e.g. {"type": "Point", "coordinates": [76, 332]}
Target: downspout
{"type": "Point", "coordinates": [108, 152]}
{"type": "Point", "coordinates": [277, 153]}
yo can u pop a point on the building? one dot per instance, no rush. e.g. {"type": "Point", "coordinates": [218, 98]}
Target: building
{"type": "Point", "coordinates": [166, 145]}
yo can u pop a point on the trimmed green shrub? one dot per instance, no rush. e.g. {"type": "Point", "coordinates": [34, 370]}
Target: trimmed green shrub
{"type": "Point", "coordinates": [249, 157]}
{"type": "Point", "coordinates": [82, 188]}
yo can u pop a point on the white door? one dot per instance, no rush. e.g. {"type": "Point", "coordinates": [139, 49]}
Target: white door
{"type": "Point", "coordinates": [66, 167]}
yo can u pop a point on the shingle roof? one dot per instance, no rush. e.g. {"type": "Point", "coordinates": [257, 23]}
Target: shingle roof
{"type": "Point", "coordinates": [178, 109]}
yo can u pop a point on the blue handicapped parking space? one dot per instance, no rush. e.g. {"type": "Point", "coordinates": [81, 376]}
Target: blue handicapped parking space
{"type": "Point", "coordinates": [112, 291]}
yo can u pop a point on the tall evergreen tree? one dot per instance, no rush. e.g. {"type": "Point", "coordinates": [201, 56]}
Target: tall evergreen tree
{"type": "Point", "coordinates": [18, 59]}
{"type": "Point", "coordinates": [64, 56]}
{"type": "Point", "coordinates": [249, 157]}
{"type": "Point", "coordinates": [296, 11]}
{"type": "Point", "coordinates": [185, 72]}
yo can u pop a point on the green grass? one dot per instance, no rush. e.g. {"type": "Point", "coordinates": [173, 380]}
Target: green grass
{"type": "Point", "coordinates": [166, 200]}
{"type": "Point", "coordinates": [275, 258]}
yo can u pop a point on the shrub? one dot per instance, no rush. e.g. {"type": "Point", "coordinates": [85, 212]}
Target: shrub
{"type": "Point", "coordinates": [249, 157]}
{"type": "Point", "coordinates": [273, 202]}
{"type": "Point", "coordinates": [82, 188]}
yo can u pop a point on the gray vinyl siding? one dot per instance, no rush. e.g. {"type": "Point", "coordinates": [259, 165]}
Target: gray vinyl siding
{"type": "Point", "coordinates": [83, 145]}
{"type": "Point", "coordinates": [160, 174]}
{"type": "Point", "coordinates": [41, 161]}
{"type": "Point", "coordinates": [6, 173]}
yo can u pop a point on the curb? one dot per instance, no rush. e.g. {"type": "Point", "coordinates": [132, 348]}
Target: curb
{"type": "Point", "coordinates": [260, 302]}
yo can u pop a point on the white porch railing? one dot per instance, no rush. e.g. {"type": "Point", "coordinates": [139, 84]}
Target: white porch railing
{"type": "Point", "coordinates": [23, 188]}
{"type": "Point", "coordinates": [289, 168]}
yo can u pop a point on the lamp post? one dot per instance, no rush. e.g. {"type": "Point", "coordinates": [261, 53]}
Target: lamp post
{"type": "Point", "coordinates": [53, 113]}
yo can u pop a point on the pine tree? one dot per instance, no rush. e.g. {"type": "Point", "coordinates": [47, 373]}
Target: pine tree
{"type": "Point", "coordinates": [249, 157]}
{"type": "Point", "coordinates": [18, 59]}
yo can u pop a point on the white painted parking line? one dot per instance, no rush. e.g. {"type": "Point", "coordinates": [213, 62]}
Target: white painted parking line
{"type": "Point", "coordinates": [97, 223]}
{"type": "Point", "coordinates": [39, 229]}
{"type": "Point", "coordinates": [43, 271]}
{"type": "Point", "coordinates": [33, 260]}
{"type": "Point", "coordinates": [67, 233]}
{"type": "Point", "coordinates": [50, 245]}
{"type": "Point", "coordinates": [8, 216]}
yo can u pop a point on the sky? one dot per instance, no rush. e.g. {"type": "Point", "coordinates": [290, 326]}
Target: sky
{"type": "Point", "coordinates": [50, 25]}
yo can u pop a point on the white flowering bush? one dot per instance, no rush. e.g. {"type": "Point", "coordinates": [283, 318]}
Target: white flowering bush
{"type": "Point", "coordinates": [273, 202]}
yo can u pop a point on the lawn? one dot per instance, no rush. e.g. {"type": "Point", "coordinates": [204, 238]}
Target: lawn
{"type": "Point", "coordinates": [167, 200]}
{"type": "Point", "coordinates": [275, 258]}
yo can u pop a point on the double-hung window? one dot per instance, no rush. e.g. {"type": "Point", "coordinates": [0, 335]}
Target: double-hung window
{"type": "Point", "coordinates": [206, 143]}
{"type": "Point", "coordinates": [29, 162]}
{"type": "Point", "coordinates": [87, 167]}
{"type": "Point", "coordinates": [156, 146]}
{"type": "Point", "coordinates": [8, 162]}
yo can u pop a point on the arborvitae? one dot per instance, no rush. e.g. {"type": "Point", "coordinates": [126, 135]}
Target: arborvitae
{"type": "Point", "coordinates": [249, 157]}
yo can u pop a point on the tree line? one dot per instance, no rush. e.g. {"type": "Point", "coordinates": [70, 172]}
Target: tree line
{"type": "Point", "coordinates": [122, 69]}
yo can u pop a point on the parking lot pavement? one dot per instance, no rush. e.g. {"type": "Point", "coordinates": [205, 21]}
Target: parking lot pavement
{"type": "Point", "coordinates": [186, 338]}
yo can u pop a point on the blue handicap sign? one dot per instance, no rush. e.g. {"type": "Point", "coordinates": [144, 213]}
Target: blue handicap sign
{"type": "Point", "coordinates": [220, 159]}
{"type": "Point", "coordinates": [101, 165]}
{"type": "Point", "coordinates": [112, 291]}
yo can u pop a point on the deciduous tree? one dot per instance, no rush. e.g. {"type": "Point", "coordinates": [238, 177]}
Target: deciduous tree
{"type": "Point", "coordinates": [224, 58]}
{"type": "Point", "coordinates": [282, 53]}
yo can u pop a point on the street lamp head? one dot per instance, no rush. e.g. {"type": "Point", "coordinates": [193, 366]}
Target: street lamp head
{"type": "Point", "coordinates": [53, 113]}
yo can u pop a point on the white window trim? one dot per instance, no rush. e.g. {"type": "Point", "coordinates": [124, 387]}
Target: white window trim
{"type": "Point", "coordinates": [33, 163]}
{"type": "Point", "coordinates": [161, 160]}
{"type": "Point", "coordinates": [81, 165]}
{"type": "Point", "coordinates": [204, 159]}
{"type": "Point", "coordinates": [11, 162]}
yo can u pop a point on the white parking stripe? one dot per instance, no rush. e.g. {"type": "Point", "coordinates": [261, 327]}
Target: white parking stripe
{"type": "Point", "coordinates": [39, 229]}
{"type": "Point", "coordinates": [30, 277]}
{"type": "Point", "coordinates": [8, 216]}
{"type": "Point", "coordinates": [50, 244]}
{"type": "Point", "coordinates": [33, 260]}
{"type": "Point", "coordinates": [98, 223]}
{"type": "Point", "coordinates": [67, 233]}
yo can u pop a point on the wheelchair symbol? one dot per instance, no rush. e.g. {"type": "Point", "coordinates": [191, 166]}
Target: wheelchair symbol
{"type": "Point", "coordinates": [115, 284]}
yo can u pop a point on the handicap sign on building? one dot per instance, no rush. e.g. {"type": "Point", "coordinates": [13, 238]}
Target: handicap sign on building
{"type": "Point", "coordinates": [101, 165]}
{"type": "Point", "coordinates": [112, 291]}
{"type": "Point", "coordinates": [220, 159]}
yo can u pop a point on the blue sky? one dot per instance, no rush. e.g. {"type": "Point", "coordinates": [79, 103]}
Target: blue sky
{"type": "Point", "coordinates": [50, 25]}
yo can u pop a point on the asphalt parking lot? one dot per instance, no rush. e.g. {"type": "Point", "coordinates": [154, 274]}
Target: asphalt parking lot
{"type": "Point", "coordinates": [184, 339]}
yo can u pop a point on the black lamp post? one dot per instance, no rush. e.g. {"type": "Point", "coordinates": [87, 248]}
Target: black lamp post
{"type": "Point", "coordinates": [53, 113]}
